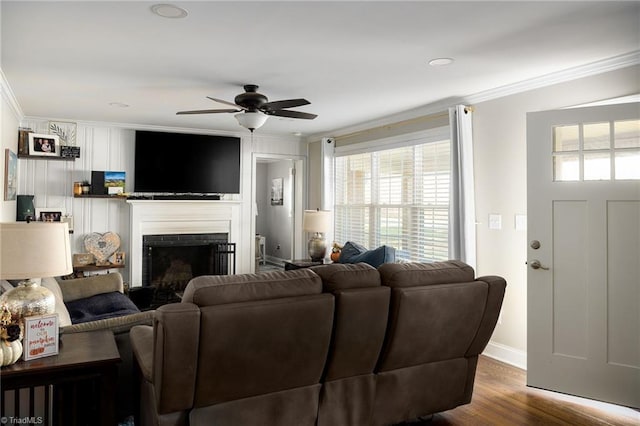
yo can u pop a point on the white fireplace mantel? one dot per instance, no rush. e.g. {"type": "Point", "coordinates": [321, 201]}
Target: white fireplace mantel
{"type": "Point", "coordinates": [151, 217]}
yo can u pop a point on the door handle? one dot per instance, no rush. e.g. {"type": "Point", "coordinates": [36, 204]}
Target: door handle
{"type": "Point", "coordinates": [535, 264]}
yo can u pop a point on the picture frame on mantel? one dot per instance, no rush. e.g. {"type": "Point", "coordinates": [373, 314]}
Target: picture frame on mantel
{"type": "Point", "coordinates": [44, 145]}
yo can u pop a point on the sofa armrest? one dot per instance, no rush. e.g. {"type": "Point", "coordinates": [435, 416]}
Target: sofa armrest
{"type": "Point", "coordinates": [80, 288]}
{"type": "Point", "coordinates": [495, 296]}
{"type": "Point", "coordinates": [117, 325]}
{"type": "Point", "coordinates": [142, 346]}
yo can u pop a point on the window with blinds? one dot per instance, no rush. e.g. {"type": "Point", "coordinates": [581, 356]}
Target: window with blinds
{"type": "Point", "coordinates": [398, 197]}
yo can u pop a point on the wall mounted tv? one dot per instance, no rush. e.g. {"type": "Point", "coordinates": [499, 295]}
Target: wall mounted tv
{"type": "Point", "coordinates": [179, 163]}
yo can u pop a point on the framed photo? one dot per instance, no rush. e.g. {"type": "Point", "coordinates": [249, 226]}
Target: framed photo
{"type": "Point", "coordinates": [276, 192]}
{"type": "Point", "coordinates": [117, 258]}
{"type": "Point", "coordinates": [44, 145]}
{"type": "Point", "coordinates": [49, 214]}
{"type": "Point", "coordinates": [40, 336]}
{"type": "Point", "coordinates": [10, 175]}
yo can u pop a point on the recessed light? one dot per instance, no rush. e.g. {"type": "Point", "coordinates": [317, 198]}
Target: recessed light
{"type": "Point", "coordinates": [440, 62]}
{"type": "Point", "coordinates": [118, 105]}
{"type": "Point", "coordinates": [169, 11]}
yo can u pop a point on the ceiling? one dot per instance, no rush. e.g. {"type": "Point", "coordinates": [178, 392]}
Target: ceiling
{"type": "Point", "coordinates": [354, 61]}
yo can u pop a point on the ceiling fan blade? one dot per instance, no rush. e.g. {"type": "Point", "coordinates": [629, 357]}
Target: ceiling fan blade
{"type": "Point", "coordinates": [222, 101]}
{"type": "Point", "coordinates": [207, 111]}
{"type": "Point", "coordinates": [287, 103]}
{"type": "Point", "coordinates": [292, 114]}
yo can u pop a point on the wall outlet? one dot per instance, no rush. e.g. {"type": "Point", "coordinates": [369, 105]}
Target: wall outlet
{"type": "Point", "coordinates": [278, 247]}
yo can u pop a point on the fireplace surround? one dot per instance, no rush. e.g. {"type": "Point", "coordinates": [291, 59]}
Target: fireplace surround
{"type": "Point", "coordinates": [174, 219]}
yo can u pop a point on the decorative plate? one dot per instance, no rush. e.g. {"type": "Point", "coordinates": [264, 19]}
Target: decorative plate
{"type": "Point", "coordinates": [102, 246]}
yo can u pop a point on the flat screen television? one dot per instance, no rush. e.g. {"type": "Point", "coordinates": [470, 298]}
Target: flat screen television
{"type": "Point", "coordinates": [180, 163]}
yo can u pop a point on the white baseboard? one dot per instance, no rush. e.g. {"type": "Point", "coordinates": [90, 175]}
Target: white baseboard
{"type": "Point", "coordinates": [507, 354]}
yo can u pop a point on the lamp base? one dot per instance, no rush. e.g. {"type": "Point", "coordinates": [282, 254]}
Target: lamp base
{"type": "Point", "coordinates": [317, 247]}
{"type": "Point", "coordinates": [28, 299]}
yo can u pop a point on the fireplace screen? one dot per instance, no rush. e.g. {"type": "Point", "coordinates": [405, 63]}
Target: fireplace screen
{"type": "Point", "coordinates": [171, 261]}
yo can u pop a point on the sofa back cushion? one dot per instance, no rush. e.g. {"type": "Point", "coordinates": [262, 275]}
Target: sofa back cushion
{"type": "Point", "coordinates": [436, 311]}
{"type": "Point", "coordinates": [337, 276]}
{"type": "Point", "coordinates": [262, 346]}
{"type": "Point", "coordinates": [79, 288]}
{"type": "Point", "coordinates": [211, 290]}
{"type": "Point", "coordinates": [419, 274]}
{"type": "Point", "coordinates": [361, 310]}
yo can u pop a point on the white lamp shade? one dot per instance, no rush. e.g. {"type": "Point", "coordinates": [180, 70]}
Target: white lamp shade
{"type": "Point", "coordinates": [316, 220]}
{"type": "Point", "coordinates": [251, 120]}
{"type": "Point", "coordinates": [34, 250]}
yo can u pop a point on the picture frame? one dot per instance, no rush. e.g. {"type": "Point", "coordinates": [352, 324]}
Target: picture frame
{"type": "Point", "coordinates": [276, 192]}
{"type": "Point", "coordinates": [40, 336]}
{"type": "Point", "coordinates": [117, 258]}
{"type": "Point", "coordinates": [44, 145]}
{"type": "Point", "coordinates": [49, 214]}
{"type": "Point", "coordinates": [10, 175]}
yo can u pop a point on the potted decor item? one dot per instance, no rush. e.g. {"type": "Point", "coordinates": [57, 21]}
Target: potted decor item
{"type": "Point", "coordinates": [335, 252]}
{"type": "Point", "coordinates": [10, 338]}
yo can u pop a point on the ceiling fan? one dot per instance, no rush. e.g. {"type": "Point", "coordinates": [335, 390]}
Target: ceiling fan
{"type": "Point", "coordinates": [254, 108]}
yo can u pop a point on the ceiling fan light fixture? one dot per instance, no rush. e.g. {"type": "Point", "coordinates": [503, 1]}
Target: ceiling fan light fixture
{"type": "Point", "coordinates": [251, 120]}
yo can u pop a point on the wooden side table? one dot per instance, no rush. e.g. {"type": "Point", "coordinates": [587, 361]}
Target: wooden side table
{"type": "Point", "coordinates": [79, 383]}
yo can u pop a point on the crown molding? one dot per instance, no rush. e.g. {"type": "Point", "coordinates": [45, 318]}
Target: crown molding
{"type": "Point", "coordinates": [594, 68]}
{"type": "Point", "coordinates": [574, 73]}
{"type": "Point", "coordinates": [10, 97]}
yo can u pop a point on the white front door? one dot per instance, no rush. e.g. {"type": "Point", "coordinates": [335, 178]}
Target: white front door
{"type": "Point", "coordinates": [583, 300]}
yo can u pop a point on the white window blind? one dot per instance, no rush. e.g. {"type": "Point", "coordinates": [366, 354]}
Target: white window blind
{"type": "Point", "coordinates": [398, 197]}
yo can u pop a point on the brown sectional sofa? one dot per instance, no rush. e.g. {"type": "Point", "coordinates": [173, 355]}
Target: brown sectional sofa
{"type": "Point", "coordinates": [331, 345]}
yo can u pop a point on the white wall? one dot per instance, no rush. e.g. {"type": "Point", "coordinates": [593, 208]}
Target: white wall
{"type": "Point", "coordinates": [107, 146]}
{"type": "Point", "coordinates": [8, 140]}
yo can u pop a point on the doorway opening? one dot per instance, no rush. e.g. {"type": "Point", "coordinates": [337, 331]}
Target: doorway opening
{"type": "Point", "coordinates": [278, 207]}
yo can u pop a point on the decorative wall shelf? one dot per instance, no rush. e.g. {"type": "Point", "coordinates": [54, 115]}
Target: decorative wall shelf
{"type": "Point", "coordinates": [111, 197]}
{"type": "Point", "coordinates": [43, 157]}
{"type": "Point", "coordinates": [90, 268]}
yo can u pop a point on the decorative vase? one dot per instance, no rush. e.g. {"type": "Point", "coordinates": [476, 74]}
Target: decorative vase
{"type": "Point", "coordinates": [28, 299]}
{"type": "Point", "coordinates": [10, 352]}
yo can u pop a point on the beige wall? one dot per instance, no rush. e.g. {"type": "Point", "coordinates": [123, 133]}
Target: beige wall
{"type": "Point", "coordinates": [8, 139]}
{"type": "Point", "coordinates": [501, 187]}
{"type": "Point", "coordinates": [499, 130]}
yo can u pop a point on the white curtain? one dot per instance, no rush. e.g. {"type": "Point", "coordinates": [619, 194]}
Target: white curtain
{"type": "Point", "coordinates": [462, 208]}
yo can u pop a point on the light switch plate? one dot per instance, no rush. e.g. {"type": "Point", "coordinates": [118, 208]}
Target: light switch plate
{"type": "Point", "coordinates": [521, 222]}
{"type": "Point", "coordinates": [495, 221]}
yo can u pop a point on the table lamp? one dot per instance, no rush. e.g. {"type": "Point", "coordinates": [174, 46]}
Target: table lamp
{"type": "Point", "coordinates": [30, 251]}
{"type": "Point", "coordinates": [317, 222]}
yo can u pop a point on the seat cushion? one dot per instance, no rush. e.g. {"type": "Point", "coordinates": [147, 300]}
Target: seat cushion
{"type": "Point", "coordinates": [355, 253]}
{"type": "Point", "coordinates": [100, 306]}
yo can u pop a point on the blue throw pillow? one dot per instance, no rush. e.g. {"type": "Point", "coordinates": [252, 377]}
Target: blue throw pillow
{"type": "Point", "coordinates": [350, 250]}
{"type": "Point", "coordinates": [356, 253]}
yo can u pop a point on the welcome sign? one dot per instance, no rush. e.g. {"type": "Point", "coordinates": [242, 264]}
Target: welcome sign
{"type": "Point", "coordinates": [40, 336]}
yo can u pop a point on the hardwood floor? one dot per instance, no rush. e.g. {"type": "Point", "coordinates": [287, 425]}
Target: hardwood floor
{"type": "Point", "coordinates": [500, 397]}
